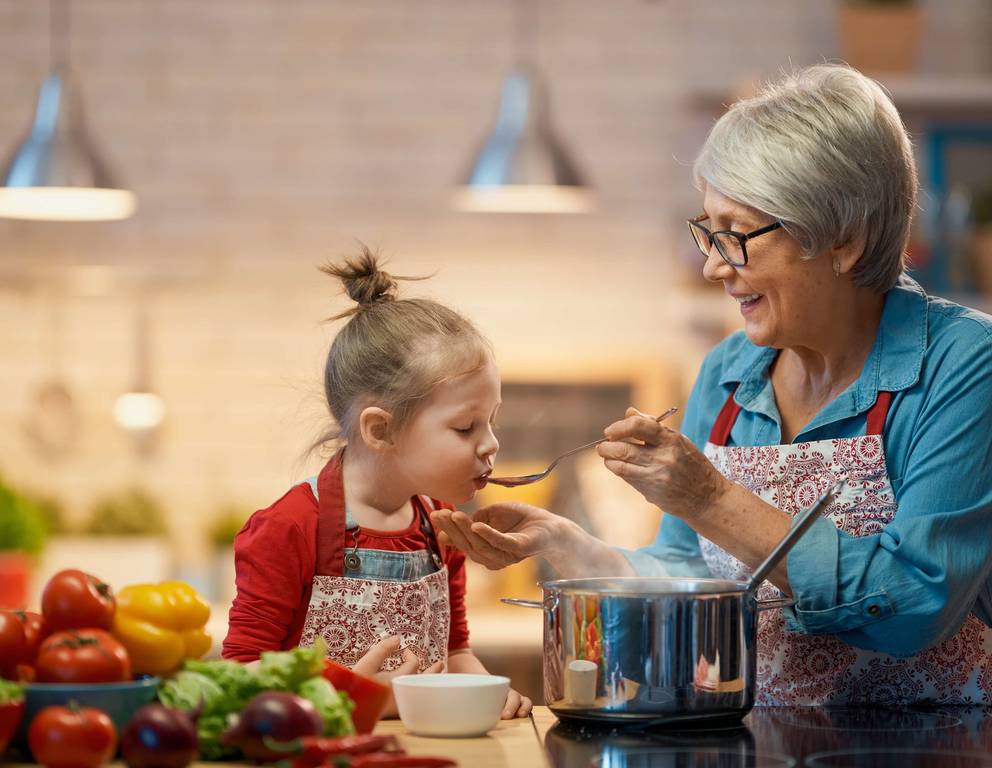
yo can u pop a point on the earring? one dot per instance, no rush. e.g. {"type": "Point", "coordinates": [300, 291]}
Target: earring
{"type": "Point", "coordinates": [836, 268]}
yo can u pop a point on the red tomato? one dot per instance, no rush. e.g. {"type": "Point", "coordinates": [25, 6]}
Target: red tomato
{"type": "Point", "coordinates": [370, 696]}
{"type": "Point", "coordinates": [35, 631]}
{"type": "Point", "coordinates": [77, 737]}
{"type": "Point", "coordinates": [82, 656]}
{"type": "Point", "coordinates": [74, 600]}
{"type": "Point", "coordinates": [13, 647]}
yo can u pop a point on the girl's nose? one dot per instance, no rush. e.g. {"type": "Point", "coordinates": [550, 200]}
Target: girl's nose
{"type": "Point", "coordinates": [489, 444]}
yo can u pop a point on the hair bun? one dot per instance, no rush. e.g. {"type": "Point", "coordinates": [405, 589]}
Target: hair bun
{"type": "Point", "coordinates": [364, 282]}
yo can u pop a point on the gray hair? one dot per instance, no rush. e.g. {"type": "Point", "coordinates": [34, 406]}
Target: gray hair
{"type": "Point", "coordinates": [825, 152]}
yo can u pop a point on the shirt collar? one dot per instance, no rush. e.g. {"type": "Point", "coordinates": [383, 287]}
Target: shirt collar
{"type": "Point", "coordinates": [894, 363]}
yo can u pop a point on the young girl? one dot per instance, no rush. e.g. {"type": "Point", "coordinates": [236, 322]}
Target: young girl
{"type": "Point", "coordinates": [351, 555]}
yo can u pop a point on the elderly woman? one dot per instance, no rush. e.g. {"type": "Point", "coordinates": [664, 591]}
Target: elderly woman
{"type": "Point", "coordinates": [845, 370]}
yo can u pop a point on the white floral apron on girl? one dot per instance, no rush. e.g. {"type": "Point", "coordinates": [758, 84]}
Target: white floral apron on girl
{"type": "Point", "coordinates": [803, 669]}
{"type": "Point", "coordinates": [361, 596]}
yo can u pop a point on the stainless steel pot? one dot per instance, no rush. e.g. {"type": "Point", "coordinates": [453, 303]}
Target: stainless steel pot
{"type": "Point", "coordinates": [656, 649]}
{"type": "Point", "coordinates": [649, 648]}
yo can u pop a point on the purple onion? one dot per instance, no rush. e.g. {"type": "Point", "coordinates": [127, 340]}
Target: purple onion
{"type": "Point", "coordinates": [276, 715]}
{"type": "Point", "coordinates": [159, 737]}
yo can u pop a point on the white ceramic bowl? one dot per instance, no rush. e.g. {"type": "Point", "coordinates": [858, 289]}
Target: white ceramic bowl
{"type": "Point", "coordinates": [450, 704]}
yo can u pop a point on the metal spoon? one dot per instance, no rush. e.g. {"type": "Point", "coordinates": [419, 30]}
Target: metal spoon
{"type": "Point", "coordinates": [513, 482]}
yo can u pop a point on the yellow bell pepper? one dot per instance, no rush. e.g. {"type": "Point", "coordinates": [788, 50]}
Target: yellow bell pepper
{"type": "Point", "coordinates": [160, 625]}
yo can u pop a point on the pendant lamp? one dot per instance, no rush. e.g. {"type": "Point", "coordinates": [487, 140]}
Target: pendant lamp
{"type": "Point", "coordinates": [56, 172]}
{"type": "Point", "coordinates": [522, 165]}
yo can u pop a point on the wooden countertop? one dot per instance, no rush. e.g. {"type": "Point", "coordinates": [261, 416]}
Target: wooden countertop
{"type": "Point", "coordinates": [512, 744]}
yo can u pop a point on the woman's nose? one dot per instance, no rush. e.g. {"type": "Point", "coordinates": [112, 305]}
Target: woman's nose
{"type": "Point", "coordinates": [715, 268]}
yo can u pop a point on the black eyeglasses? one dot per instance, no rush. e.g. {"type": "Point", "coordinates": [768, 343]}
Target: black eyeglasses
{"type": "Point", "coordinates": [729, 244]}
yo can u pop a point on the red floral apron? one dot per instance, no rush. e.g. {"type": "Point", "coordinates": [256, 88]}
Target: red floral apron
{"type": "Point", "coordinates": [361, 596]}
{"type": "Point", "coordinates": [802, 669]}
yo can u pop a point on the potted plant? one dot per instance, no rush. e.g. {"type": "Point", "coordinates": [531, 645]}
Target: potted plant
{"type": "Point", "coordinates": [22, 537]}
{"type": "Point", "coordinates": [881, 37]}
{"type": "Point", "coordinates": [122, 540]}
{"type": "Point", "coordinates": [130, 512]}
{"type": "Point", "coordinates": [228, 520]}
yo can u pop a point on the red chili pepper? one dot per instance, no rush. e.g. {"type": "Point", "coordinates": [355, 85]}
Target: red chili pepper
{"type": "Point", "coordinates": [313, 751]}
{"type": "Point", "coordinates": [397, 760]}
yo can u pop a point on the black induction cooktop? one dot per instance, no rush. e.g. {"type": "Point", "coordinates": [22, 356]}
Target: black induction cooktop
{"type": "Point", "coordinates": [800, 737]}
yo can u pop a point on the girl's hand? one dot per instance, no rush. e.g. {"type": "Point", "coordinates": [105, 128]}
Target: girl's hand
{"type": "Point", "coordinates": [500, 534]}
{"type": "Point", "coordinates": [516, 706]}
{"type": "Point", "coordinates": [371, 663]}
{"type": "Point", "coordinates": [662, 464]}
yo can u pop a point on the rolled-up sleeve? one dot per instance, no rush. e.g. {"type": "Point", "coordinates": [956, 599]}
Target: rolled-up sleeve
{"type": "Point", "coordinates": [912, 584]}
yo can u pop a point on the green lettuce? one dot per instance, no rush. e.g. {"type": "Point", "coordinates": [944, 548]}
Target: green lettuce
{"type": "Point", "coordinates": [221, 689]}
{"type": "Point", "coordinates": [334, 708]}
{"type": "Point", "coordinates": [209, 732]}
{"type": "Point", "coordinates": [10, 693]}
{"type": "Point", "coordinates": [286, 670]}
{"type": "Point", "coordinates": [188, 690]}
{"type": "Point", "coordinates": [239, 682]}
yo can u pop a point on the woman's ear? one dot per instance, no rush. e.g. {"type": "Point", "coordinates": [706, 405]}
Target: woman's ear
{"type": "Point", "coordinates": [844, 256]}
{"type": "Point", "coordinates": [373, 426]}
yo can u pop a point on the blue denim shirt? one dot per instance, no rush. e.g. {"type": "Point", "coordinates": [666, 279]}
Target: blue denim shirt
{"type": "Point", "coordinates": [932, 564]}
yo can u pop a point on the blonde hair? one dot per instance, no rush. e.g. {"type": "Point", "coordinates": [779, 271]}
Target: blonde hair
{"type": "Point", "coordinates": [392, 352]}
{"type": "Point", "coordinates": [825, 152]}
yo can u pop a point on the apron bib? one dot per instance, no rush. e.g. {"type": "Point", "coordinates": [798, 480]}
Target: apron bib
{"type": "Point", "coordinates": [800, 669]}
{"type": "Point", "coordinates": [361, 596]}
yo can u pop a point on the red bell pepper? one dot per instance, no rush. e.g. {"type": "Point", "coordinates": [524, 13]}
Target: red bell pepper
{"type": "Point", "coordinates": [370, 696]}
{"type": "Point", "coordinates": [10, 718]}
{"type": "Point", "coordinates": [11, 711]}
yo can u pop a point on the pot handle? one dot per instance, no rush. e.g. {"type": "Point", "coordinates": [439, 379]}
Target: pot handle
{"type": "Point", "coordinates": [521, 603]}
{"type": "Point", "coordinates": [778, 602]}
{"type": "Point", "coordinates": [801, 524]}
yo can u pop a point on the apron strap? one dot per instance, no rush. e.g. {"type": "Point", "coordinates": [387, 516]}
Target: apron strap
{"type": "Point", "coordinates": [331, 518]}
{"type": "Point", "coordinates": [720, 433]}
{"type": "Point", "coordinates": [877, 414]}
{"type": "Point", "coordinates": [423, 506]}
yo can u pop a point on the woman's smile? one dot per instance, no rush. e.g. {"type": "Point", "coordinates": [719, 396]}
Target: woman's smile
{"type": "Point", "coordinates": [747, 301]}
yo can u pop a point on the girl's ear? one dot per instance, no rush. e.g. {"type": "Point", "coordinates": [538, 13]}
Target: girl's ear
{"type": "Point", "coordinates": [373, 426]}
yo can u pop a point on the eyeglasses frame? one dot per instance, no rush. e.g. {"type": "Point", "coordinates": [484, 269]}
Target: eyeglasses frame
{"type": "Point", "coordinates": [742, 237]}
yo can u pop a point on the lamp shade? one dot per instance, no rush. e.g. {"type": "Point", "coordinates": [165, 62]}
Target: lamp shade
{"type": "Point", "coordinates": [139, 410]}
{"type": "Point", "coordinates": [56, 173]}
{"type": "Point", "coordinates": [523, 166]}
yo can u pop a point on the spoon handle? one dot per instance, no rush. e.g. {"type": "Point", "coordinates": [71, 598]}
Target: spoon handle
{"type": "Point", "coordinates": [659, 419]}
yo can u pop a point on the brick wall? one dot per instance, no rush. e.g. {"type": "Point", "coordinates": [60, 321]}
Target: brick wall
{"type": "Point", "coordinates": [263, 137]}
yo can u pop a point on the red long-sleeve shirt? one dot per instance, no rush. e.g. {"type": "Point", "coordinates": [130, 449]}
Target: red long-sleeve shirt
{"type": "Point", "coordinates": [275, 557]}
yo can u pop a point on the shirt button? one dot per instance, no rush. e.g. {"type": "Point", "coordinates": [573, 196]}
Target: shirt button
{"type": "Point", "coordinates": [874, 610]}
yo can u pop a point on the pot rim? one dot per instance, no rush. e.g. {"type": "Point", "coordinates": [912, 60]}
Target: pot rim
{"type": "Point", "coordinates": [646, 586]}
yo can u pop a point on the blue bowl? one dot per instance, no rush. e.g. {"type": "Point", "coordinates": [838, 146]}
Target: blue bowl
{"type": "Point", "coordinates": [118, 700]}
